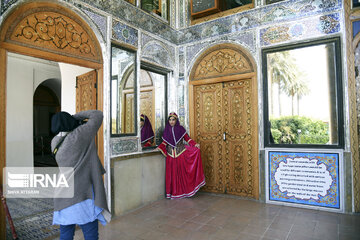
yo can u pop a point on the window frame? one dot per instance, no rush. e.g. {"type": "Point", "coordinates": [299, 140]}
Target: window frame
{"type": "Point", "coordinates": [162, 71]}
{"type": "Point", "coordinates": [338, 87]}
{"type": "Point", "coordinates": [135, 91]}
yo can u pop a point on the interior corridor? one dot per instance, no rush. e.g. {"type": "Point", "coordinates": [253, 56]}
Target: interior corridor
{"type": "Point", "coordinates": [208, 216]}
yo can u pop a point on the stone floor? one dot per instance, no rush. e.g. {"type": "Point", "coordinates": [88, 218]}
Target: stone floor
{"type": "Point", "coordinates": [208, 216]}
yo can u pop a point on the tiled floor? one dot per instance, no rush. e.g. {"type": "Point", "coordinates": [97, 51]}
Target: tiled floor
{"type": "Point", "coordinates": [208, 216]}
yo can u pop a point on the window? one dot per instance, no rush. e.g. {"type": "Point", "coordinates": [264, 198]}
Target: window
{"type": "Point", "coordinates": [157, 7]}
{"type": "Point", "coordinates": [153, 101]}
{"type": "Point", "coordinates": [203, 8]}
{"type": "Point", "coordinates": [303, 95]}
{"type": "Point", "coordinates": [272, 1]}
{"type": "Point", "coordinates": [123, 92]}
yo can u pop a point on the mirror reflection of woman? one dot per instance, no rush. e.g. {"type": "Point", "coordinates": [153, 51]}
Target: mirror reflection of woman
{"type": "Point", "coordinates": [147, 133]}
{"type": "Point", "coordinates": [184, 171]}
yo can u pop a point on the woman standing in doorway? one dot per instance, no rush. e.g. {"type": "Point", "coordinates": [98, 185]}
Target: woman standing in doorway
{"type": "Point", "coordinates": [74, 146]}
{"type": "Point", "coordinates": [184, 171]}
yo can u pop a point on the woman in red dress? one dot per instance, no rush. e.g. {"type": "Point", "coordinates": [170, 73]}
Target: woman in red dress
{"type": "Point", "coordinates": [184, 171]}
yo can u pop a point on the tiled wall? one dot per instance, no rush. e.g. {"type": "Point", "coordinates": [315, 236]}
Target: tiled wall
{"type": "Point", "coordinates": [160, 43]}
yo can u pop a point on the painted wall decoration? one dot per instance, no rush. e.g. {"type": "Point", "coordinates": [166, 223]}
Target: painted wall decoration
{"type": "Point", "coordinates": [99, 20]}
{"type": "Point", "coordinates": [273, 13]}
{"type": "Point", "coordinates": [135, 17]}
{"type": "Point", "coordinates": [304, 178]}
{"type": "Point", "coordinates": [121, 146]}
{"type": "Point", "coordinates": [311, 27]}
{"type": "Point", "coordinates": [246, 39]}
{"type": "Point", "coordinates": [158, 53]}
{"type": "Point", "coordinates": [124, 33]}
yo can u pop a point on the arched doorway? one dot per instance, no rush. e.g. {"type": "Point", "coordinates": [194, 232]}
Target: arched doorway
{"type": "Point", "coordinates": [46, 104]}
{"type": "Point", "coordinates": [224, 119]}
{"type": "Point", "coordinates": [52, 32]}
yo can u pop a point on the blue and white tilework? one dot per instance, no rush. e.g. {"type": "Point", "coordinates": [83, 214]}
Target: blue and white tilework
{"type": "Point", "coordinates": [5, 4]}
{"type": "Point", "coordinates": [156, 52]}
{"type": "Point", "coordinates": [120, 146]}
{"type": "Point", "coordinates": [124, 33]}
{"type": "Point", "coordinates": [246, 39]}
{"type": "Point", "coordinates": [271, 14]}
{"type": "Point", "coordinates": [309, 28]}
{"type": "Point", "coordinates": [135, 17]}
{"type": "Point", "coordinates": [99, 20]}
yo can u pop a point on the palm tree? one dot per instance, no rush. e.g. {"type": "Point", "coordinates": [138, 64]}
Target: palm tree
{"type": "Point", "coordinates": [296, 87]}
{"type": "Point", "coordinates": [281, 67]}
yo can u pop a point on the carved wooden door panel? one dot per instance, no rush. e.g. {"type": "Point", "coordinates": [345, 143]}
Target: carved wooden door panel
{"type": "Point", "coordinates": [86, 91]}
{"type": "Point", "coordinates": [128, 116]}
{"type": "Point", "coordinates": [224, 126]}
{"type": "Point", "coordinates": [147, 104]}
{"type": "Point", "coordinates": [208, 132]}
{"type": "Point", "coordinates": [240, 151]}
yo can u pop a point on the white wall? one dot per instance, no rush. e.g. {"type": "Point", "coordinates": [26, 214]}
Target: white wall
{"type": "Point", "coordinates": [138, 181]}
{"type": "Point", "coordinates": [68, 83]}
{"type": "Point", "coordinates": [24, 74]}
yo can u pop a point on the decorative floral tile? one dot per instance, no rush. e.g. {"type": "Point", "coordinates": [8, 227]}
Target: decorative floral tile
{"type": "Point", "coordinates": [120, 146]}
{"type": "Point", "coordinates": [275, 13]}
{"type": "Point", "coordinates": [99, 20]}
{"type": "Point", "coordinates": [304, 178]}
{"type": "Point", "coordinates": [136, 17]}
{"type": "Point", "coordinates": [124, 33]}
{"type": "Point", "coordinates": [156, 52]}
{"type": "Point", "coordinates": [5, 4]}
{"type": "Point", "coordinates": [310, 27]}
{"type": "Point", "coordinates": [246, 39]}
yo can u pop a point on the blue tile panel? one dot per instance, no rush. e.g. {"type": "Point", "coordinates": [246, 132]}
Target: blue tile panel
{"type": "Point", "coordinates": [246, 39]}
{"type": "Point", "coordinates": [310, 27]}
{"type": "Point", "coordinates": [5, 4]}
{"type": "Point", "coordinates": [123, 146]}
{"type": "Point", "coordinates": [155, 52]}
{"type": "Point", "coordinates": [271, 14]}
{"type": "Point", "coordinates": [99, 20]}
{"type": "Point", "coordinates": [305, 178]}
{"type": "Point", "coordinates": [124, 33]}
{"type": "Point", "coordinates": [135, 17]}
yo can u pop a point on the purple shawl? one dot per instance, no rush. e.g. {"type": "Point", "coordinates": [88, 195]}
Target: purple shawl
{"type": "Point", "coordinates": [173, 135]}
{"type": "Point", "coordinates": [147, 132]}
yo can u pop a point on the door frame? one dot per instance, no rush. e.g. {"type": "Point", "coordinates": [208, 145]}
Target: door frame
{"type": "Point", "coordinates": [249, 73]}
{"type": "Point", "coordinates": [43, 53]}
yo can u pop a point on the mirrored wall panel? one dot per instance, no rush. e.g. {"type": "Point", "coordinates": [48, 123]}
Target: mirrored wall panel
{"type": "Point", "coordinates": [153, 106]}
{"type": "Point", "coordinates": [123, 92]}
{"type": "Point", "coordinates": [303, 103]}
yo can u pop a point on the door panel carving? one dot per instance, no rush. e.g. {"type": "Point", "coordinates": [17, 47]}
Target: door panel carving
{"type": "Point", "coordinates": [128, 117]}
{"type": "Point", "coordinates": [225, 126]}
{"type": "Point", "coordinates": [86, 91]}
{"type": "Point", "coordinates": [208, 115]}
{"type": "Point", "coordinates": [147, 104]}
{"type": "Point", "coordinates": [240, 139]}
{"type": "Point", "coordinates": [54, 30]}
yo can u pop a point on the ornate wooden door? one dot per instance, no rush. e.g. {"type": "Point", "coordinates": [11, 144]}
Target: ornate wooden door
{"type": "Point", "coordinates": [224, 127]}
{"type": "Point", "coordinates": [86, 91]}
{"type": "Point", "coordinates": [240, 140]}
{"type": "Point", "coordinates": [209, 133]}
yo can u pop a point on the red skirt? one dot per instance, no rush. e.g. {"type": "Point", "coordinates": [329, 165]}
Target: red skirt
{"type": "Point", "coordinates": [184, 174]}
